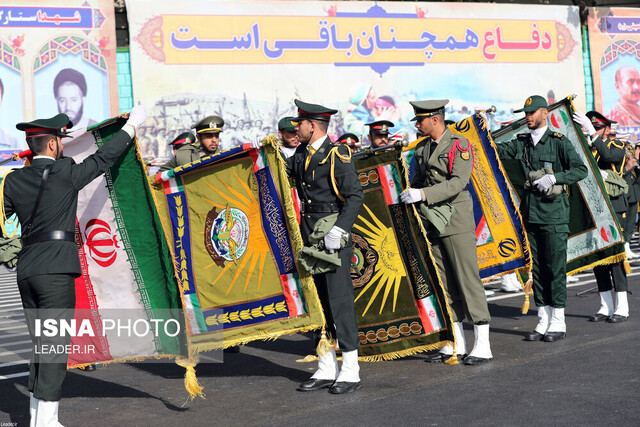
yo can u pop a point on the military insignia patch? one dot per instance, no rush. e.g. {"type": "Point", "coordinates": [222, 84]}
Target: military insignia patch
{"type": "Point", "coordinates": [465, 155]}
{"type": "Point", "coordinates": [548, 164]}
{"type": "Point", "coordinates": [558, 135]}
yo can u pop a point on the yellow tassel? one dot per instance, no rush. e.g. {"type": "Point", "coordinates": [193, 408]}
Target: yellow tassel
{"type": "Point", "coordinates": [627, 266]}
{"type": "Point", "coordinates": [324, 345]}
{"type": "Point", "coordinates": [308, 358]}
{"type": "Point", "coordinates": [190, 380]}
{"type": "Point", "coordinates": [453, 360]}
{"type": "Point", "coordinates": [528, 291]}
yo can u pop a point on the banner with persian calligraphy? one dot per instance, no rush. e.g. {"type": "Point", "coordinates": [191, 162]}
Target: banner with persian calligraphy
{"type": "Point", "coordinates": [56, 57]}
{"type": "Point", "coordinates": [247, 60]}
{"type": "Point", "coordinates": [614, 44]}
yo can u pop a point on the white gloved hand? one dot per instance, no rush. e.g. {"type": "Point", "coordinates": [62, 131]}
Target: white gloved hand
{"type": "Point", "coordinates": [584, 121]}
{"type": "Point", "coordinates": [483, 114]}
{"type": "Point", "coordinates": [411, 195]}
{"type": "Point", "coordinates": [332, 239]}
{"type": "Point", "coordinates": [604, 174]}
{"type": "Point", "coordinates": [256, 144]}
{"type": "Point", "coordinates": [545, 183]}
{"type": "Point", "coordinates": [137, 116]}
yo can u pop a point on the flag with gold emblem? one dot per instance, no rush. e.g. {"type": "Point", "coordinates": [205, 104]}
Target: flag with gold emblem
{"type": "Point", "coordinates": [232, 229]}
{"type": "Point", "coordinates": [399, 299]}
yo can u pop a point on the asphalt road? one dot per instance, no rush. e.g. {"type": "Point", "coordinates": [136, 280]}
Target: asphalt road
{"type": "Point", "coordinates": [590, 378]}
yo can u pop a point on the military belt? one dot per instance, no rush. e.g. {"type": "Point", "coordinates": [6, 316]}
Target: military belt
{"type": "Point", "coordinates": [47, 236]}
{"type": "Point", "coordinates": [321, 207]}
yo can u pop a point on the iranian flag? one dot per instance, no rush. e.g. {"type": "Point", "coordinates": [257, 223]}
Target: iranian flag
{"type": "Point", "coordinates": [127, 293]}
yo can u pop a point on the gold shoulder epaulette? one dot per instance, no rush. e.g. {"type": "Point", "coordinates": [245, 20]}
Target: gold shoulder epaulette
{"type": "Point", "coordinates": [558, 135]}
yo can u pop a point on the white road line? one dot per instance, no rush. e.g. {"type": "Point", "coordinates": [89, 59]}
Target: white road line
{"type": "Point", "coordinates": [9, 353]}
{"type": "Point", "coordinates": [13, 335]}
{"type": "Point", "coordinates": [20, 374]}
{"type": "Point", "coordinates": [7, 344]}
{"type": "Point", "coordinates": [18, 362]}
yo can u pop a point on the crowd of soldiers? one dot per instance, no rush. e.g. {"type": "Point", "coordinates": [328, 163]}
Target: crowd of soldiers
{"type": "Point", "coordinates": [443, 165]}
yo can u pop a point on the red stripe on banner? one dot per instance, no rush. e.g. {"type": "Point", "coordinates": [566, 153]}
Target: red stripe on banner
{"type": "Point", "coordinates": [167, 187]}
{"type": "Point", "coordinates": [480, 226]}
{"type": "Point", "coordinates": [296, 203]}
{"type": "Point", "coordinates": [254, 156]}
{"type": "Point", "coordinates": [424, 317]}
{"type": "Point", "coordinates": [87, 308]}
{"type": "Point", "coordinates": [291, 302]}
{"type": "Point", "coordinates": [383, 182]}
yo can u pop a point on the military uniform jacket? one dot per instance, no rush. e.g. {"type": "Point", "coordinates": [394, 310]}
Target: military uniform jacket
{"type": "Point", "coordinates": [447, 186]}
{"type": "Point", "coordinates": [555, 150]}
{"type": "Point", "coordinates": [610, 156]}
{"type": "Point", "coordinates": [186, 154]}
{"type": "Point", "coordinates": [631, 176]}
{"type": "Point", "coordinates": [314, 185]}
{"type": "Point", "coordinates": [58, 206]}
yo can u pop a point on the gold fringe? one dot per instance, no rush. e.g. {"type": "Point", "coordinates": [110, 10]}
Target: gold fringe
{"type": "Point", "coordinates": [605, 261]}
{"type": "Point", "coordinates": [402, 353]}
{"type": "Point", "coordinates": [191, 383]}
{"type": "Point", "coordinates": [308, 358]}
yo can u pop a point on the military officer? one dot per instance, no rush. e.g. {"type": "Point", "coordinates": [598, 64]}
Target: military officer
{"type": "Point", "coordinates": [288, 136]}
{"type": "Point", "coordinates": [350, 140]}
{"type": "Point", "coordinates": [545, 212]}
{"type": "Point", "coordinates": [379, 133]}
{"type": "Point", "coordinates": [314, 165]}
{"type": "Point", "coordinates": [185, 138]}
{"type": "Point", "coordinates": [44, 195]}
{"type": "Point", "coordinates": [631, 175]}
{"type": "Point", "coordinates": [444, 162]}
{"type": "Point", "coordinates": [208, 134]}
{"type": "Point", "coordinates": [610, 155]}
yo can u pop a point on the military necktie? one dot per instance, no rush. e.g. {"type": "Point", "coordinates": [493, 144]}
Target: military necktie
{"type": "Point", "coordinates": [310, 154]}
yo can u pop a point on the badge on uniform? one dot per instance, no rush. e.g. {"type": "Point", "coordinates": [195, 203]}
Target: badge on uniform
{"type": "Point", "coordinates": [548, 165]}
{"type": "Point", "coordinates": [465, 155]}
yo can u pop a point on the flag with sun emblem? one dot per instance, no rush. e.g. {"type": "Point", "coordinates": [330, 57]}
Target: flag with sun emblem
{"type": "Point", "coordinates": [232, 228]}
{"type": "Point", "coordinates": [594, 234]}
{"type": "Point", "coordinates": [399, 300]}
{"type": "Point", "coordinates": [127, 270]}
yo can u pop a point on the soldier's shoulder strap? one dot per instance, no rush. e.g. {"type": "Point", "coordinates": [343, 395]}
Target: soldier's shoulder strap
{"type": "Point", "coordinates": [462, 145]}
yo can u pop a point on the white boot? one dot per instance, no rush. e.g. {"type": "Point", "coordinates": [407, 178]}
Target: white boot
{"type": "Point", "coordinates": [630, 254]}
{"type": "Point", "coordinates": [33, 410]}
{"type": "Point", "coordinates": [544, 317]}
{"type": "Point", "coordinates": [47, 415]}
{"type": "Point", "coordinates": [350, 370]}
{"type": "Point", "coordinates": [622, 304]}
{"type": "Point", "coordinates": [481, 346]}
{"type": "Point", "coordinates": [327, 366]}
{"type": "Point", "coordinates": [510, 283]}
{"type": "Point", "coordinates": [557, 320]}
{"type": "Point", "coordinates": [606, 303]}
{"type": "Point", "coordinates": [460, 342]}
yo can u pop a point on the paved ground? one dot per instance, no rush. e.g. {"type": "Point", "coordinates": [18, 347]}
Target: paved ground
{"type": "Point", "coordinates": [589, 378]}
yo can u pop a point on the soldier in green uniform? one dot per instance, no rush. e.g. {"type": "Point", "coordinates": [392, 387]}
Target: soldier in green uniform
{"type": "Point", "coordinates": [379, 133]}
{"type": "Point", "coordinates": [444, 162]}
{"type": "Point", "coordinates": [545, 216]}
{"type": "Point", "coordinates": [610, 156]}
{"type": "Point", "coordinates": [327, 184]}
{"type": "Point", "coordinates": [208, 134]}
{"type": "Point", "coordinates": [288, 136]}
{"type": "Point", "coordinates": [185, 138]}
{"type": "Point", "coordinates": [631, 175]}
{"type": "Point", "coordinates": [44, 195]}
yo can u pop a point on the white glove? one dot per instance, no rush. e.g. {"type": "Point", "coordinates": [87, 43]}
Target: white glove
{"type": "Point", "coordinates": [545, 183]}
{"type": "Point", "coordinates": [584, 121]}
{"type": "Point", "coordinates": [256, 144]}
{"type": "Point", "coordinates": [411, 195]}
{"type": "Point", "coordinates": [332, 239]}
{"type": "Point", "coordinates": [485, 117]}
{"type": "Point", "coordinates": [604, 174]}
{"type": "Point", "coordinates": [137, 116]}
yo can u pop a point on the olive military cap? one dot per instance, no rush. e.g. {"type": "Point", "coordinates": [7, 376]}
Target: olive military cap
{"type": "Point", "coordinates": [210, 124]}
{"type": "Point", "coordinates": [533, 103]}
{"type": "Point", "coordinates": [428, 108]}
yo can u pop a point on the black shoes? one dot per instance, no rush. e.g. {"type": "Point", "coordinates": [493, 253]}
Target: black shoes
{"type": "Point", "coordinates": [89, 368]}
{"type": "Point", "coordinates": [534, 336]}
{"type": "Point", "coordinates": [314, 384]}
{"type": "Point", "coordinates": [344, 387]}
{"type": "Point", "coordinates": [616, 318]}
{"type": "Point", "coordinates": [442, 358]}
{"type": "Point", "coordinates": [554, 336]}
{"type": "Point", "coordinates": [598, 317]}
{"type": "Point", "coordinates": [473, 360]}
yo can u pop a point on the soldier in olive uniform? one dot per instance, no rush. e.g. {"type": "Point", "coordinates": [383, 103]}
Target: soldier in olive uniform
{"type": "Point", "coordinates": [610, 155]}
{"type": "Point", "coordinates": [208, 134]}
{"type": "Point", "coordinates": [546, 217]}
{"type": "Point", "coordinates": [631, 175]}
{"type": "Point", "coordinates": [185, 138]}
{"type": "Point", "coordinates": [311, 167]}
{"type": "Point", "coordinates": [444, 162]}
{"type": "Point", "coordinates": [379, 133]}
{"type": "Point", "coordinates": [44, 195]}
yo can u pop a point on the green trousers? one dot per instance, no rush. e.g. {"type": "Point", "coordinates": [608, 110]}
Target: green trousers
{"type": "Point", "coordinates": [457, 260]}
{"type": "Point", "coordinates": [628, 223]}
{"type": "Point", "coordinates": [549, 253]}
{"type": "Point", "coordinates": [47, 296]}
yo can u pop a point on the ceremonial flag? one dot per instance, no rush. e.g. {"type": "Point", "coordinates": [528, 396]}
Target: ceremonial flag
{"type": "Point", "coordinates": [501, 239]}
{"type": "Point", "coordinates": [235, 240]}
{"type": "Point", "coordinates": [595, 236]}
{"type": "Point", "coordinates": [127, 270]}
{"type": "Point", "coordinates": [399, 300]}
